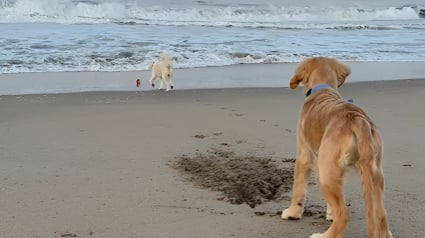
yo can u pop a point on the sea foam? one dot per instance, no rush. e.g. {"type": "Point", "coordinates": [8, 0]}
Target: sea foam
{"type": "Point", "coordinates": [73, 12]}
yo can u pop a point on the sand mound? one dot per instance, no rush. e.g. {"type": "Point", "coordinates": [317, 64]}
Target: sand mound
{"type": "Point", "coordinates": [241, 178]}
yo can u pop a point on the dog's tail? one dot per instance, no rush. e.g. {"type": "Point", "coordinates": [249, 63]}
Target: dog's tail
{"type": "Point", "coordinates": [370, 154]}
{"type": "Point", "coordinates": [164, 57]}
{"type": "Point", "coordinates": [150, 65]}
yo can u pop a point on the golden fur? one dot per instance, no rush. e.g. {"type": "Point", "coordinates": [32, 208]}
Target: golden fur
{"type": "Point", "coordinates": [336, 134]}
{"type": "Point", "coordinates": [163, 70]}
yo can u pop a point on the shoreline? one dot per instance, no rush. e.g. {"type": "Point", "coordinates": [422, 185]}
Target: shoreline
{"type": "Point", "coordinates": [233, 76]}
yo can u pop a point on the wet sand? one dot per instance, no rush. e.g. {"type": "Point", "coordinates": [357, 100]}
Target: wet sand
{"type": "Point", "coordinates": [233, 76]}
{"type": "Point", "coordinates": [109, 164]}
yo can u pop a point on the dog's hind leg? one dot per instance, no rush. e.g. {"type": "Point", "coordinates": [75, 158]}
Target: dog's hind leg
{"type": "Point", "coordinates": [161, 85]}
{"type": "Point", "coordinates": [381, 215]}
{"type": "Point", "coordinates": [167, 80]}
{"type": "Point", "coordinates": [169, 85]}
{"type": "Point", "coordinates": [153, 77]}
{"type": "Point", "coordinates": [331, 175]}
{"type": "Point", "coordinates": [303, 166]}
{"type": "Point", "coordinates": [329, 216]}
{"type": "Point", "coordinates": [373, 192]}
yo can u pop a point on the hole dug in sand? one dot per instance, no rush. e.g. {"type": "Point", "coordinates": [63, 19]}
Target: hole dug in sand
{"type": "Point", "coordinates": [241, 178]}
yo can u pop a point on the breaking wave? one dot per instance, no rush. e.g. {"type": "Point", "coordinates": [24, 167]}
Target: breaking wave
{"type": "Point", "coordinates": [91, 12]}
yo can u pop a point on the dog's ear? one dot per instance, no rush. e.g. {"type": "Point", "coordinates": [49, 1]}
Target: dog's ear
{"type": "Point", "coordinates": [295, 81]}
{"type": "Point", "coordinates": [299, 75]}
{"type": "Point", "coordinates": [342, 72]}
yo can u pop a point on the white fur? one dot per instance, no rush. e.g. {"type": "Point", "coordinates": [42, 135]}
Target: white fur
{"type": "Point", "coordinates": [316, 235]}
{"type": "Point", "coordinates": [163, 70]}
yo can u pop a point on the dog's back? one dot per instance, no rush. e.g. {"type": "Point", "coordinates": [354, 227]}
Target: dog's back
{"type": "Point", "coordinates": [161, 68]}
{"type": "Point", "coordinates": [165, 64]}
{"type": "Point", "coordinates": [326, 110]}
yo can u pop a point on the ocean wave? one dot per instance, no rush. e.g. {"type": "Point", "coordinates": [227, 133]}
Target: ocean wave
{"type": "Point", "coordinates": [71, 35]}
{"type": "Point", "coordinates": [91, 12]}
{"type": "Point", "coordinates": [129, 62]}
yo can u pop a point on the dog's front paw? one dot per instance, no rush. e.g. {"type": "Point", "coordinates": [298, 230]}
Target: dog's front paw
{"type": "Point", "coordinates": [317, 235]}
{"type": "Point", "coordinates": [292, 213]}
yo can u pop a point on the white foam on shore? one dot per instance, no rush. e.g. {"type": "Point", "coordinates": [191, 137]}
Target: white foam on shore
{"type": "Point", "coordinates": [236, 76]}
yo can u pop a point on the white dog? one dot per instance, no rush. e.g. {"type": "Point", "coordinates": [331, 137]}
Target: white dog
{"type": "Point", "coordinates": [163, 70]}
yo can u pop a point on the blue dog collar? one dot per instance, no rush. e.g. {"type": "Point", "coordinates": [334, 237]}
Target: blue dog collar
{"type": "Point", "coordinates": [322, 86]}
{"type": "Point", "coordinates": [316, 88]}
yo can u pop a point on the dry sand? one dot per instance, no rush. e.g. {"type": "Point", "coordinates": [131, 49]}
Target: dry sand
{"type": "Point", "coordinates": [113, 164]}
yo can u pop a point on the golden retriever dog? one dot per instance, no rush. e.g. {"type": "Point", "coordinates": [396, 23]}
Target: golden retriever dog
{"type": "Point", "coordinates": [334, 135]}
{"type": "Point", "coordinates": [163, 70]}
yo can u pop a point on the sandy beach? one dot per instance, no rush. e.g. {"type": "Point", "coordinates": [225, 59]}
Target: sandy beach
{"type": "Point", "coordinates": [109, 164]}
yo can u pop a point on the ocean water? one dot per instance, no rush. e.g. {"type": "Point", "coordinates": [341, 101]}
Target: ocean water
{"type": "Point", "coordinates": [125, 35]}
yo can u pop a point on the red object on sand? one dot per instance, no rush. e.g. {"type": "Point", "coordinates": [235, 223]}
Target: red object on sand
{"type": "Point", "coordinates": [138, 83]}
